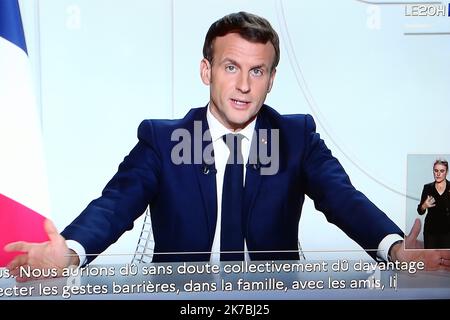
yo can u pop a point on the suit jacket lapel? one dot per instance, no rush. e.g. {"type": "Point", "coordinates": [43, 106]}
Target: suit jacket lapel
{"type": "Point", "coordinates": [253, 178]}
{"type": "Point", "coordinates": [205, 170]}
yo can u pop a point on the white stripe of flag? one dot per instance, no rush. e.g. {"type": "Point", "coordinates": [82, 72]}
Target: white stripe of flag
{"type": "Point", "coordinates": [23, 181]}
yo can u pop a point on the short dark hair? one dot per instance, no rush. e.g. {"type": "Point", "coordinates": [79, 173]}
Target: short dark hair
{"type": "Point", "coordinates": [442, 162]}
{"type": "Point", "coordinates": [249, 26]}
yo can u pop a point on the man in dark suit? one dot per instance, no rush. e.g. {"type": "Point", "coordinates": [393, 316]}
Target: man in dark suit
{"type": "Point", "coordinates": [182, 169]}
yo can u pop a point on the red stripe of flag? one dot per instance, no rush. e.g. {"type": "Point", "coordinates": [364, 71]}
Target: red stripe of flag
{"type": "Point", "coordinates": [18, 223]}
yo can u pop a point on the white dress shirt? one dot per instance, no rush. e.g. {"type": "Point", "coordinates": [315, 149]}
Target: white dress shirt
{"type": "Point", "coordinates": [221, 153]}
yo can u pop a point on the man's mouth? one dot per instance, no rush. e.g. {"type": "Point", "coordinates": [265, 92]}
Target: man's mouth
{"type": "Point", "coordinates": [240, 103]}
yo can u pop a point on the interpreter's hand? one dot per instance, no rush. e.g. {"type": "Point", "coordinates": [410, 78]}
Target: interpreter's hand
{"type": "Point", "coordinates": [428, 203]}
{"type": "Point", "coordinates": [433, 259]}
{"type": "Point", "coordinates": [50, 255]}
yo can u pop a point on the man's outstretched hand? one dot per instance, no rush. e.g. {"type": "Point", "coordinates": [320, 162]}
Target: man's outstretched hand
{"type": "Point", "coordinates": [53, 254]}
{"type": "Point", "coordinates": [433, 259]}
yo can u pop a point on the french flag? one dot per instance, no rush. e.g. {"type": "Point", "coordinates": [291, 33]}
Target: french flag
{"type": "Point", "coordinates": [24, 201]}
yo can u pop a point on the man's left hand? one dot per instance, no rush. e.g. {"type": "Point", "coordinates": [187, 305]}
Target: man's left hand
{"type": "Point", "coordinates": [433, 259]}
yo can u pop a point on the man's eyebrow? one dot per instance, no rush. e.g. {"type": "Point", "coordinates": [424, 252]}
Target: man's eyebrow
{"type": "Point", "coordinates": [229, 60]}
{"type": "Point", "coordinates": [260, 66]}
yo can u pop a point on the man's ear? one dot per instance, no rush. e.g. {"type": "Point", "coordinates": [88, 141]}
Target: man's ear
{"type": "Point", "coordinates": [272, 78]}
{"type": "Point", "coordinates": [205, 71]}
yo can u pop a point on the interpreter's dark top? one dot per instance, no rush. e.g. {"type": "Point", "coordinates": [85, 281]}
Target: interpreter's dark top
{"type": "Point", "coordinates": [437, 220]}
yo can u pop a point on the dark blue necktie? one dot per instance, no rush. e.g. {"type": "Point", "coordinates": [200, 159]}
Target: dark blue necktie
{"type": "Point", "coordinates": [232, 238]}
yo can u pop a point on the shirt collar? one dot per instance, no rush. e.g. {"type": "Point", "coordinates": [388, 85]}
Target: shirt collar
{"type": "Point", "coordinates": [218, 130]}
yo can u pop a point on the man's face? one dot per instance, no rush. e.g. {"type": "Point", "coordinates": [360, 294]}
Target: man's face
{"type": "Point", "coordinates": [240, 77]}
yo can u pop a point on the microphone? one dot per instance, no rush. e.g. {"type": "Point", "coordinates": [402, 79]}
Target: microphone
{"type": "Point", "coordinates": [208, 169]}
{"type": "Point", "coordinates": [255, 166]}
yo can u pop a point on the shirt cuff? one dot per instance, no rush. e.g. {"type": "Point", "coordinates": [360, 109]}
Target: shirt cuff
{"type": "Point", "coordinates": [79, 250]}
{"type": "Point", "coordinates": [385, 245]}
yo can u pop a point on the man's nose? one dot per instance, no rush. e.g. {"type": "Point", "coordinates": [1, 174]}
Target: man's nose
{"type": "Point", "coordinates": [243, 83]}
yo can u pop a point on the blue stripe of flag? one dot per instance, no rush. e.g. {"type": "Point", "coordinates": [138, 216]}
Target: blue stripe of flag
{"type": "Point", "coordinates": [11, 23]}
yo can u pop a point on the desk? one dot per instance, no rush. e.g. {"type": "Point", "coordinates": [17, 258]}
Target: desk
{"type": "Point", "coordinates": [137, 282]}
